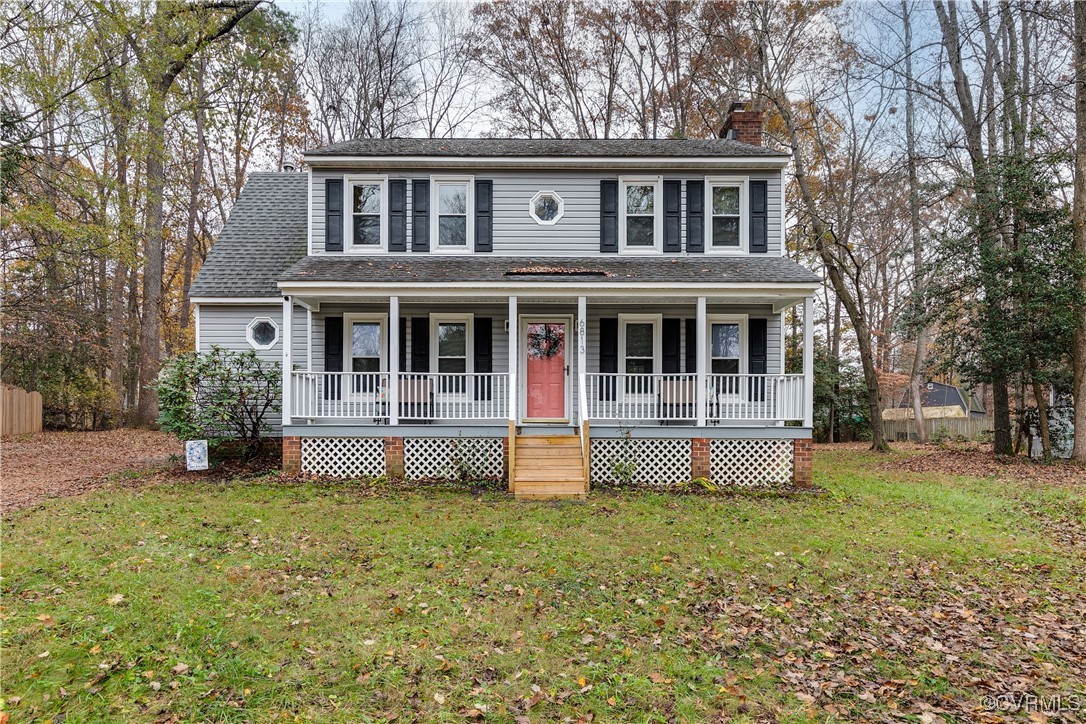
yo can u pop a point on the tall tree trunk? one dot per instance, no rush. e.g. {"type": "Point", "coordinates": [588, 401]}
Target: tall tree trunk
{"type": "Point", "coordinates": [153, 254]}
{"type": "Point", "coordinates": [916, 374]}
{"type": "Point", "coordinates": [1078, 453]}
{"type": "Point", "coordinates": [194, 197]}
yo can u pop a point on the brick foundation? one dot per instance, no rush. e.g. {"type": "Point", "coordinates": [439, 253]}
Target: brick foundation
{"type": "Point", "coordinates": [699, 457]}
{"type": "Point", "coordinates": [292, 455]}
{"type": "Point", "coordinates": [801, 462]}
{"type": "Point", "coordinates": [394, 457]}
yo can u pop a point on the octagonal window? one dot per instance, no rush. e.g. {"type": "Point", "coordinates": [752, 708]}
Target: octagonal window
{"type": "Point", "coordinates": [262, 333]}
{"type": "Point", "coordinates": [546, 208]}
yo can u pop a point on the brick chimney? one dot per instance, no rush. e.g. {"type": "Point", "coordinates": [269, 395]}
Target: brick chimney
{"type": "Point", "coordinates": [743, 125]}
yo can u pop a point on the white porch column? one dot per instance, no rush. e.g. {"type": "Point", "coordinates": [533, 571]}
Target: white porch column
{"type": "Point", "coordinates": [394, 360]}
{"type": "Point", "coordinates": [808, 362]}
{"type": "Point", "coordinates": [287, 340]}
{"type": "Point", "coordinates": [514, 356]}
{"type": "Point", "coordinates": [582, 359]}
{"type": "Point", "coordinates": [703, 377]}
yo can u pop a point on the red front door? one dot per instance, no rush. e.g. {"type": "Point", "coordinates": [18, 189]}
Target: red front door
{"type": "Point", "coordinates": [546, 370]}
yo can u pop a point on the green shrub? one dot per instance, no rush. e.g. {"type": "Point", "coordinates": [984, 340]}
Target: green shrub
{"type": "Point", "coordinates": [221, 395]}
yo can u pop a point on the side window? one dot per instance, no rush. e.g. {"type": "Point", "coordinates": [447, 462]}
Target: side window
{"type": "Point", "coordinates": [453, 204]}
{"type": "Point", "coordinates": [262, 333]}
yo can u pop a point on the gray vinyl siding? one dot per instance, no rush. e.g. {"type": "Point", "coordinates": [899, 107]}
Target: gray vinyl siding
{"type": "Point", "coordinates": [224, 325]}
{"type": "Point", "coordinates": [577, 233]}
{"type": "Point", "coordinates": [499, 314]}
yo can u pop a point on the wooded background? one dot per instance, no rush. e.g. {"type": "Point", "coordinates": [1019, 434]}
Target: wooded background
{"type": "Point", "coordinates": [939, 175]}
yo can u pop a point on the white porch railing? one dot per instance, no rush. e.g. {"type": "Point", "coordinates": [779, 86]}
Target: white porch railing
{"type": "Point", "coordinates": [754, 397]}
{"type": "Point", "coordinates": [641, 397]}
{"type": "Point", "coordinates": [352, 395]}
{"type": "Point", "coordinates": [423, 396]}
{"type": "Point", "coordinates": [454, 396]}
{"type": "Point", "coordinates": [673, 397]}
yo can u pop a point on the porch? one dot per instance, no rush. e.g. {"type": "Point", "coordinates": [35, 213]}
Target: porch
{"type": "Point", "coordinates": [410, 384]}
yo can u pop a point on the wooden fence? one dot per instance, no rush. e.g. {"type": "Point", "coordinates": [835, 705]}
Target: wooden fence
{"type": "Point", "coordinates": [971, 428]}
{"type": "Point", "coordinates": [20, 411]}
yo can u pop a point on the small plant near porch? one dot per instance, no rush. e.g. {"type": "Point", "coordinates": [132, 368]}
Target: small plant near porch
{"type": "Point", "coordinates": [222, 395]}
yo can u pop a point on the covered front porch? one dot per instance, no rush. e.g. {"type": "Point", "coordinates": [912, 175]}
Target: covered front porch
{"type": "Point", "coordinates": [544, 361]}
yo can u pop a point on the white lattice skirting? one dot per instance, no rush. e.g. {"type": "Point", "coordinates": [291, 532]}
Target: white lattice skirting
{"type": "Point", "coordinates": [750, 462]}
{"type": "Point", "coordinates": [344, 457]}
{"type": "Point", "coordinates": [449, 458]}
{"type": "Point", "coordinates": [640, 461]}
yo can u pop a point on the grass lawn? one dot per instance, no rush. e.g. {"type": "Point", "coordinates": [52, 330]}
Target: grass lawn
{"type": "Point", "coordinates": [891, 593]}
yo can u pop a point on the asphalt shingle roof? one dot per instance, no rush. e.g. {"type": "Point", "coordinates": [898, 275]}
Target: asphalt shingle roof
{"type": "Point", "coordinates": [521, 147]}
{"type": "Point", "coordinates": [408, 268]}
{"type": "Point", "coordinates": [265, 234]}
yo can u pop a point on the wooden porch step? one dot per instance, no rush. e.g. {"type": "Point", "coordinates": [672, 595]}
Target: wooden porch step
{"type": "Point", "coordinates": [549, 467]}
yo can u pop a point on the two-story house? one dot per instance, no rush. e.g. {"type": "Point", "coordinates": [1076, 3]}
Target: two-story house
{"type": "Point", "coordinates": [550, 312]}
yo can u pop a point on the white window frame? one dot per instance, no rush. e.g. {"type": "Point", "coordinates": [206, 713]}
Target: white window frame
{"type": "Point", "coordinates": [348, 338]}
{"type": "Point", "coordinates": [349, 182]}
{"type": "Point", "coordinates": [469, 346]}
{"type": "Point", "coordinates": [249, 333]}
{"type": "Point", "coordinates": [469, 235]}
{"type": "Point", "coordinates": [657, 348]}
{"type": "Point", "coordinates": [539, 195]}
{"type": "Point", "coordinates": [744, 351]}
{"type": "Point", "coordinates": [658, 214]}
{"type": "Point", "coordinates": [743, 184]}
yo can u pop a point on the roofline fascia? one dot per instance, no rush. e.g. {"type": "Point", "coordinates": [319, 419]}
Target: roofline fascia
{"type": "Point", "coordinates": [561, 162]}
{"type": "Point", "coordinates": [641, 289]}
{"type": "Point", "coordinates": [236, 300]}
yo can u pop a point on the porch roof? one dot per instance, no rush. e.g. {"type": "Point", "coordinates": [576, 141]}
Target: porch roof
{"type": "Point", "coordinates": [551, 272]}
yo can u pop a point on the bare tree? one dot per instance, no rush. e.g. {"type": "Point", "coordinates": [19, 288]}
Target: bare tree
{"type": "Point", "coordinates": [361, 73]}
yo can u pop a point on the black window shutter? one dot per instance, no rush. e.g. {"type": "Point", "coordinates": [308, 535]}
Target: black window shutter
{"type": "Point", "coordinates": [759, 217]}
{"type": "Point", "coordinates": [420, 344]}
{"type": "Point", "coordinates": [420, 215]}
{"type": "Point", "coordinates": [484, 216]}
{"type": "Point", "coordinates": [672, 227]}
{"type": "Point", "coordinates": [672, 343]}
{"type": "Point", "coordinates": [403, 344]}
{"type": "Point", "coordinates": [608, 216]}
{"type": "Point", "coordinates": [484, 355]}
{"type": "Point", "coordinates": [333, 214]}
{"type": "Point", "coordinates": [608, 355]}
{"type": "Point", "coordinates": [397, 215]}
{"type": "Point", "coordinates": [695, 217]}
{"type": "Point", "coordinates": [691, 346]}
{"type": "Point", "coordinates": [758, 359]}
{"type": "Point", "coordinates": [333, 355]}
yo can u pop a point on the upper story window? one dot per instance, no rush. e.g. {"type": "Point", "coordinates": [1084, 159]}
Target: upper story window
{"type": "Point", "coordinates": [452, 201]}
{"type": "Point", "coordinates": [366, 220]}
{"type": "Point", "coordinates": [727, 200]}
{"type": "Point", "coordinates": [640, 228]}
{"type": "Point", "coordinates": [546, 208]}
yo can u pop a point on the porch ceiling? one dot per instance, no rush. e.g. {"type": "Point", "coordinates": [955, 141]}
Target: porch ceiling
{"type": "Point", "coordinates": [526, 299]}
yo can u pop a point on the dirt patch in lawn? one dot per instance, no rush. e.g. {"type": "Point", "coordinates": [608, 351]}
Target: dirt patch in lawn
{"type": "Point", "coordinates": [57, 464]}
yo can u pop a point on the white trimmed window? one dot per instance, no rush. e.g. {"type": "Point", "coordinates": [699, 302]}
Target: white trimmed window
{"type": "Point", "coordinates": [262, 333]}
{"type": "Point", "coordinates": [364, 343]}
{"type": "Point", "coordinates": [452, 204]}
{"type": "Point", "coordinates": [726, 202]}
{"type": "Point", "coordinates": [727, 342]}
{"type": "Point", "coordinates": [366, 220]}
{"type": "Point", "coordinates": [640, 203]}
{"type": "Point", "coordinates": [640, 350]}
{"type": "Point", "coordinates": [451, 346]}
{"type": "Point", "coordinates": [546, 208]}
